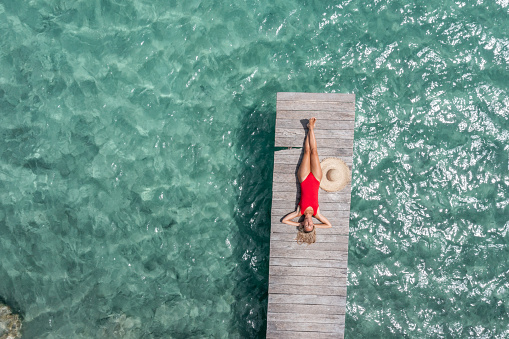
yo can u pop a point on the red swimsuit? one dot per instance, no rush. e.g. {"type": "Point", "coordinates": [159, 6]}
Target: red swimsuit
{"type": "Point", "coordinates": [309, 193]}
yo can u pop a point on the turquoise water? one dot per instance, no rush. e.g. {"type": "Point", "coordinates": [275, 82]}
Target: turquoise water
{"type": "Point", "coordinates": [136, 158]}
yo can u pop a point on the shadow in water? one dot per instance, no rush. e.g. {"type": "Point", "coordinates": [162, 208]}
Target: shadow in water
{"type": "Point", "coordinates": [251, 243]}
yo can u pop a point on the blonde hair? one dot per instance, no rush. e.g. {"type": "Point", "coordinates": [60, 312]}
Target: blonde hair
{"type": "Point", "coordinates": [306, 237]}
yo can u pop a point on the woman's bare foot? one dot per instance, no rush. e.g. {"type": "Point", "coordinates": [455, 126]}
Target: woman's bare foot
{"type": "Point", "coordinates": [311, 123]}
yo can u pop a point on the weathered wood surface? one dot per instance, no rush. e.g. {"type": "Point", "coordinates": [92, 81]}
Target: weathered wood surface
{"type": "Point", "coordinates": [335, 114]}
{"type": "Point", "coordinates": [307, 309]}
{"type": "Point", "coordinates": [307, 284]}
{"type": "Point", "coordinates": [322, 246]}
{"type": "Point", "coordinates": [294, 277]}
{"type": "Point", "coordinates": [296, 262]}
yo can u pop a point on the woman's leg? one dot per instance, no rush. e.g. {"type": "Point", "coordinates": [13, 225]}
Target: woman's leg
{"type": "Point", "coordinates": [305, 164]}
{"type": "Point", "coordinates": [316, 169]}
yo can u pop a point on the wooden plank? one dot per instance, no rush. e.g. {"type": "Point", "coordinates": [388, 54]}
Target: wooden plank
{"type": "Point", "coordinates": [273, 334]}
{"type": "Point", "coordinates": [317, 290]}
{"type": "Point", "coordinates": [287, 186]}
{"type": "Point", "coordinates": [296, 262]}
{"type": "Point", "coordinates": [308, 271]}
{"type": "Point", "coordinates": [307, 252]}
{"type": "Point", "coordinates": [338, 133]}
{"type": "Point", "coordinates": [307, 108]}
{"type": "Point", "coordinates": [304, 326]}
{"type": "Point", "coordinates": [312, 317]}
{"type": "Point", "coordinates": [309, 316]}
{"type": "Point", "coordinates": [309, 327]}
{"type": "Point", "coordinates": [319, 245]}
{"type": "Point", "coordinates": [296, 141]}
{"type": "Point", "coordinates": [301, 118]}
{"type": "Point", "coordinates": [304, 309]}
{"type": "Point", "coordinates": [298, 96]}
{"type": "Point", "coordinates": [304, 280]}
{"type": "Point", "coordinates": [306, 299]}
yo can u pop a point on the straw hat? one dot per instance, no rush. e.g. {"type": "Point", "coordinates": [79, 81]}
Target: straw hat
{"type": "Point", "coordinates": [336, 174]}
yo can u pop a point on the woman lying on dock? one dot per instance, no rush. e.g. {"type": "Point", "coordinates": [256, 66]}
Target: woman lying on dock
{"type": "Point", "coordinates": [309, 175]}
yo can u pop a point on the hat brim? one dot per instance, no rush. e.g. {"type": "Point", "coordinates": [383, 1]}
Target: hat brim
{"type": "Point", "coordinates": [343, 179]}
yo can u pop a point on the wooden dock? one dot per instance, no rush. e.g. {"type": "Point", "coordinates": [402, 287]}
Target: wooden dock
{"type": "Point", "coordinates": [307, 284]}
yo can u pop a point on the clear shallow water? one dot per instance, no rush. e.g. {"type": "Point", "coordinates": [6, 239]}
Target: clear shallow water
{"type": "Point", "coordinates": [136, 162]}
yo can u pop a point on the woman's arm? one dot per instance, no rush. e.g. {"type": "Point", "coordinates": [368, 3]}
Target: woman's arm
{"type": "Point", "coordinates": [324, 220]}
{"type": "Point", "coordinates": [288, 219]}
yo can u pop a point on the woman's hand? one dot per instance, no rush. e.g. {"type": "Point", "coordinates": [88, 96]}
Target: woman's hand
{"type": "Point", "coordinates": [288, 219]}
{"type": "Point", "coordinates": [324, 220]}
